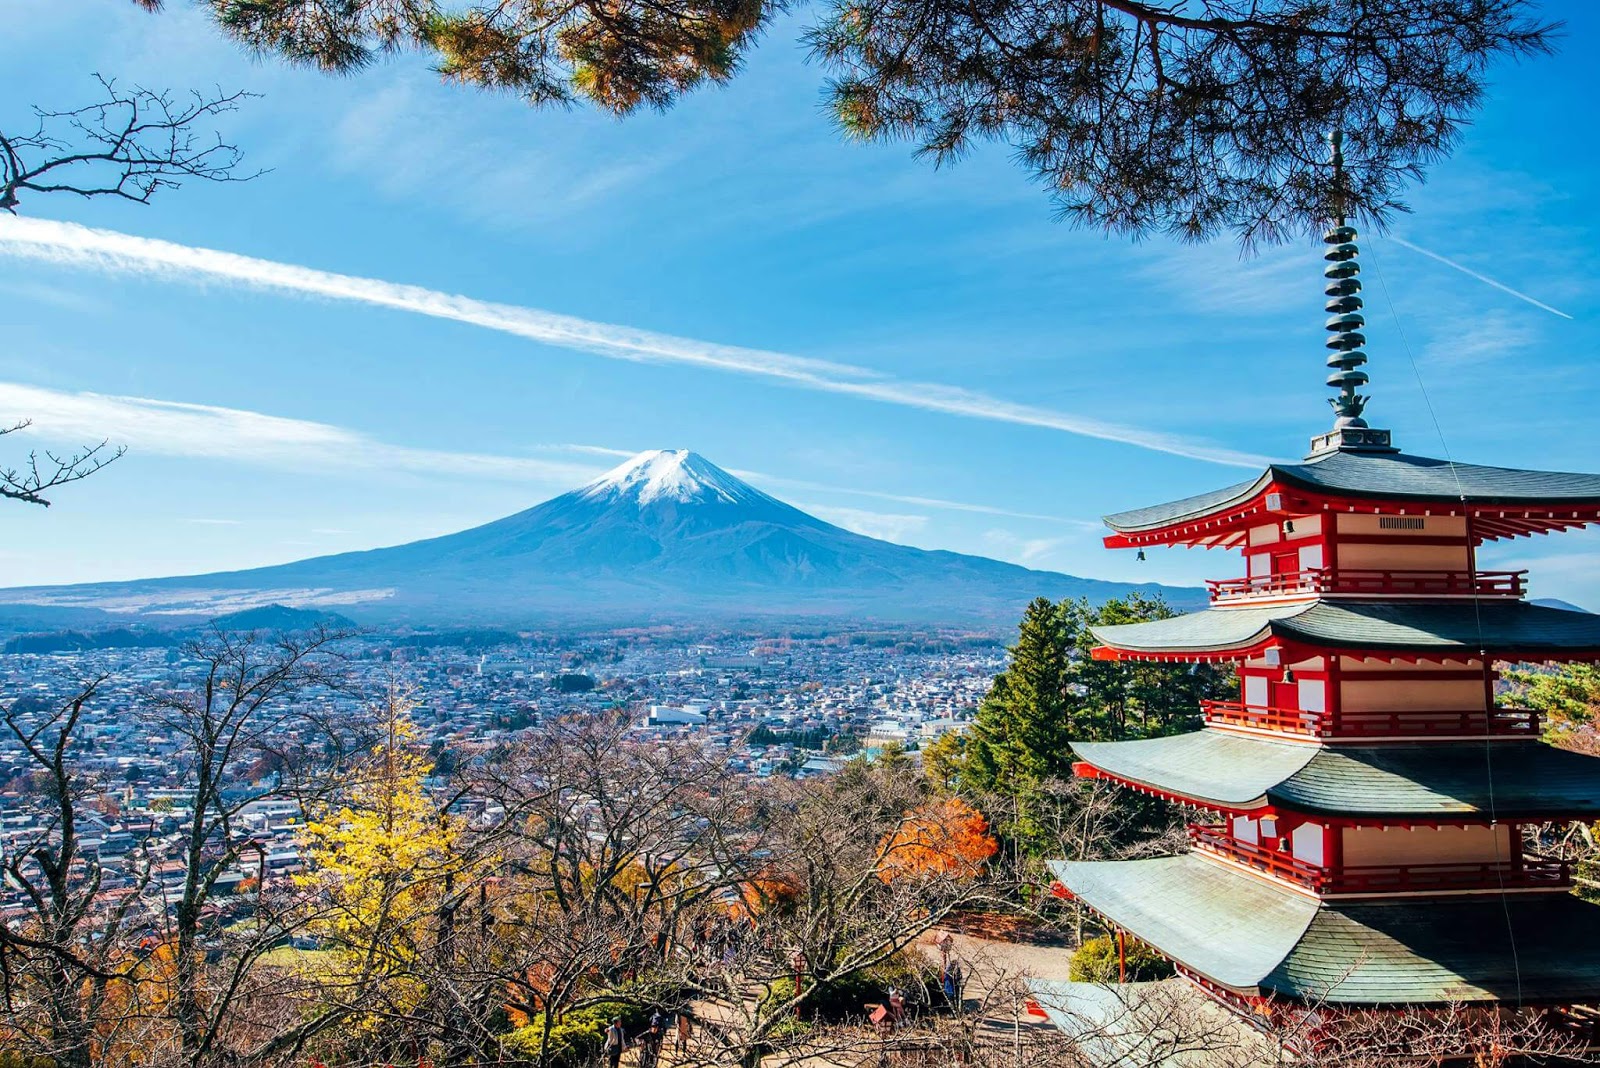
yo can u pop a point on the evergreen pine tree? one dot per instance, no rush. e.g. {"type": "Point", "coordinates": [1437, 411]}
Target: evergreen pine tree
{"type": "Point", "coordinates": [1019, 736]}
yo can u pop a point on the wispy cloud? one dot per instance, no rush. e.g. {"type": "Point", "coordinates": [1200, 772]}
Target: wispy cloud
{"type": "Point", "coordinates": [1485, 279]}
{"type": "Point", "coordinates": [202, 431]}
{"type": "Point", "coordinates": [1030, 552]}
{"type": "Point", "coordinates": [216, 522]}
{"type": "Point", "coordinates": [1494, 336]}
{"type": "Point", "coordinates": [887, 527]}
{"type": "Point", "coordinates": [1217, 278]}
{"type": "Point", "coordinates": [925, 502]}
{"type": "Point", "coordinates": [170, 428]}
{"type": "Point", "coordinates": [413, 141]}
{"type": "Point", "coordinates": [70, 244]}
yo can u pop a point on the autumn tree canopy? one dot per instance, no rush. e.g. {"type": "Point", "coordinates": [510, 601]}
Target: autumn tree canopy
{"type": "Point", "coordinates": [945, 837]}
{"type": "Point", "coordinates": [1137, 117]}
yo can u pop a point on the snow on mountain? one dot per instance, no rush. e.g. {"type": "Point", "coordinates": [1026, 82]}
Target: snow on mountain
{"type": "Point", "coordinates": [669, 474]}
{"type": "Point", "coordinates": [666, 536]}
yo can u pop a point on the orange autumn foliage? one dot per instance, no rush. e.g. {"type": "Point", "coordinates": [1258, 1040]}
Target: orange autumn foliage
{"type": "Point", "coordinates": [767, 892]}
{"type": "Point", "coordinates": [947, 837]}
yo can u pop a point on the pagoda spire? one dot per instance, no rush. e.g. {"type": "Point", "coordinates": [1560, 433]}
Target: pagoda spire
{"type": "Point", "coordinates": [1345, 322]}
{"type": "Point", "coordinates": [1343, 290]}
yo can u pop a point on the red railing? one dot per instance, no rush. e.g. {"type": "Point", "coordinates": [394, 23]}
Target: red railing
{"type": "Point", "coordinates": [1217, 840]}
{"type": "Point", "coordinates": [1291, 720]}
{"type": "Point", "coordinates": [1528, 871]}
{"type": "Point", "coordinates": [1532, 871]}
{"type": "Point", "coordinates": [1514, 722]}
{"type": "Point", "coordinates": [1321, 580]}
{"type": "Point", "coordinates": [1507, 721]}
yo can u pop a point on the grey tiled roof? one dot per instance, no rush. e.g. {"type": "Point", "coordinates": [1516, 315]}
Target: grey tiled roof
{"type": "Point", "coordinates": [1196, 912]}
{"type": "Point", "coordinates": [1228, 769]}
{"type": "Point", "coordinates": [1511, 627]}
{"type": "Point", "coordinates": [1160, 515]}
{"type": "Point", "coordinates": [1530, 947]}
{"type": "Point", "coordinates": [1504, 780]}
{"type": "Point", "coordinates": [1383, 475]}
{"type": "Point", "coordinates": [1251, 935]}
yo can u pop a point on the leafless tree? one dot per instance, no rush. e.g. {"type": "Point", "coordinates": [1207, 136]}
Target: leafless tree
{"type": "Point", "coordinates": [251, 713]}
{"type": "Point", "coordinates": [66, 965]}
{"type": "Point", "coordinates": [130, 143]}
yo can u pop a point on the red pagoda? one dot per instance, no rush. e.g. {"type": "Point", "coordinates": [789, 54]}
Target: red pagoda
{"type": "Point", "coordinates": [1362, 802]}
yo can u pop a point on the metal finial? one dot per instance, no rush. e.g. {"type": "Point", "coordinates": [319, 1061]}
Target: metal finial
{"type": "Point", "coordinates": [1336, 161]}
{"type": "Point", "coordinates": [1344, 305]}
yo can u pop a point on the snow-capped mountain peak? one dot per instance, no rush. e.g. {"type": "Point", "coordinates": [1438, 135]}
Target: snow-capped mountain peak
{"type": "Point", "coordinates": [669, 475]}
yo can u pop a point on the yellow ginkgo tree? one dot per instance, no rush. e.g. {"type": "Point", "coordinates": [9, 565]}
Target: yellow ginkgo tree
{"type": "Point", "coordinates": [388, 866]}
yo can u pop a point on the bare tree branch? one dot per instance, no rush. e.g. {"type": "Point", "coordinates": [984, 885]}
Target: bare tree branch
{"type": "Point", "coordinates": [41, 473]}
{"type": "Point", "coordinates": [130, 144]}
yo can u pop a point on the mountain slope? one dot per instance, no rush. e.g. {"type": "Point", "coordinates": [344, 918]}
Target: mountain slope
{"type": "Point", "coordinates": [667, 535]}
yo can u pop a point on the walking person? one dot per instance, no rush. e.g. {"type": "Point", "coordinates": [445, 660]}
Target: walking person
{"type": "Point", "coordinates": [650, 1043]}
{"type": "Point", "coordinates": [685, 1024]}
{"type": "Point", "coordinates": [616, 1042]}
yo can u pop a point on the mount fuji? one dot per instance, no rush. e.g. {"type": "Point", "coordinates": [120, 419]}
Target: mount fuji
{"type": "Point", "coordinates": [667, 536]}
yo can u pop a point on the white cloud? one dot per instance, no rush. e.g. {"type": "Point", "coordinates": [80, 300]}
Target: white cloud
{"type": "Point", "coordinates": [1216, 277]}
{"type": "Point", "coordinates": [170, 428]}
{"type": "Point", "coordinates": [885, 527]}
{"type": "Point", "coordinates": [901, 498]}
{"type": "Point", "coordinates": [1030, 552]}
{"type": "Point", "coordinates": [105, 250]}
{"type": "Point", "coordinates": [1494, 336]}
{"type": "Point", "coordinates": [411, 142]}
{"type": "Point", "coordinates": [201, 431]}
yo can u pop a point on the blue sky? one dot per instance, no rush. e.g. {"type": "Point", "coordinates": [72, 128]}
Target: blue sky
{"type": "Point", "coordinates": [917, 354]}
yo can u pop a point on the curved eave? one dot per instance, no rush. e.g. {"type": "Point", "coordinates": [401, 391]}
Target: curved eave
{"type": "Point", "coordinates": [1503, 502]}
{"type": "Point", "coordinates": [1423, 782]}
{"type": "Point", "coordinates": [1389, 630]}
{"type": "Point", "coordinates": [1253, 937]}
{"type": "Point", "coordinates": [1210, 768]}
{"type": "Point", "coordinates": [1193, 912]}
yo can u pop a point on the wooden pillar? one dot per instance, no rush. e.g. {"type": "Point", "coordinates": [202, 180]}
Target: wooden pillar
{"type": "Point", "coordinates": [1330, 543]}
{"type": "Point", "coordinates": [1335, 698]}
{"type": "Point", "coordinates": [1122, 956]}
{"type": "Point", "coordinates": [1488, 691]}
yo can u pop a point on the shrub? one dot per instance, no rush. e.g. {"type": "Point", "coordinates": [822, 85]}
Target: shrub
{"type": "Point", "coordinates": [1096, 962]}
{"type": "Point", "coordinates": [13, 1059]}
{"type": "Point", "coordinates": [577, 1036]}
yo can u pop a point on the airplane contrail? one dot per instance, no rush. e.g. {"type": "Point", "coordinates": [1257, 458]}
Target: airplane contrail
{"type": "Point", "coordinates": [107, 250]}
{"type": "Point", "coordinates": [1485, 279]}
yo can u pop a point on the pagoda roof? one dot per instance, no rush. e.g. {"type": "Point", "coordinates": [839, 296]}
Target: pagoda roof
{"type": "Point", "coordinates": [1379, 476]}
{"type": "Point", "coordinates": [1421, 780]}
{"type": "Point", "coordinates": [1508, 627]}
{"type": "Point", "coordinates": [1255, 937]}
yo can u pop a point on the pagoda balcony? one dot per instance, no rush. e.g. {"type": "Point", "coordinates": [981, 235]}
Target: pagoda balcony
{"type": "Point", "coordinates": [1497, 722]}
{"type": "Point", "coordinates": [1347, 582]}
{"type": "Point", "coordinates": [1529, 871]}
{"type": "Point", "coordinates": [1216, 841]}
